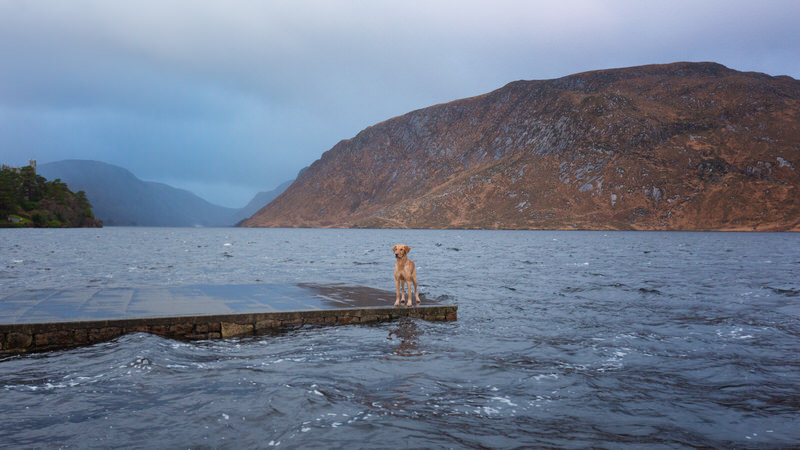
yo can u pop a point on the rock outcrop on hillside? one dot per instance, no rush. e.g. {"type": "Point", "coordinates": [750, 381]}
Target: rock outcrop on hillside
{"type": "Point", "coordinates": [683, 146]}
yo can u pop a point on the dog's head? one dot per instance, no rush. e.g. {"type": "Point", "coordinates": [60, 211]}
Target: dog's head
{"type": "Point", "coordinates": [400, 250]}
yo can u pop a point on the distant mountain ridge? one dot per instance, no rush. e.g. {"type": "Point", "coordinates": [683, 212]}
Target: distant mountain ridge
{"type": "Point", "coordinates": [682, 146]}
{"type": "Point", "coordinates": [119, 198]}
{"type": "Point", "coordinates": [260, 200]}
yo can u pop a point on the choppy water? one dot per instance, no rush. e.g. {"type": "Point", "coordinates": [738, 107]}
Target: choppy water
{"type": "Point", "coordinates": [567, 339]}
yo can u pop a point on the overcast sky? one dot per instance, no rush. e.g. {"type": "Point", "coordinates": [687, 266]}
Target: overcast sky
{"type": "Point", "coordinates": [228, 98]}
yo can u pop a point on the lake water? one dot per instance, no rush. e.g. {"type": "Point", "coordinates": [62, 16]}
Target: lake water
{"type": "Point", "coordinates": [566, 339]}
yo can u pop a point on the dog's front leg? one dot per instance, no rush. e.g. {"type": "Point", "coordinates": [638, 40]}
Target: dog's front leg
{"type": "Point", "coordinates": [397, 289]}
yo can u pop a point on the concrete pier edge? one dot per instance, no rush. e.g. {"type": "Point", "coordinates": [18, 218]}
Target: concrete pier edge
{"type": "Point", "coordinates": [39, 337]}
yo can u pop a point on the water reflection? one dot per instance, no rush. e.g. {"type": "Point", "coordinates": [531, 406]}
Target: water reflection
{"type": "Point", "coordinates": [406, 333]}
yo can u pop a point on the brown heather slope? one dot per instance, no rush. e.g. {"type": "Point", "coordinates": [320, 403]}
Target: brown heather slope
{"type": "Point", "coordinates": [684, 146]}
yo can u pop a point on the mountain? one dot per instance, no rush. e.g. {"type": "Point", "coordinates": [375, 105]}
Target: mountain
{"type": "Point", "coordinates": [261, 199]}
{"type": "Point", "coordinates": [682, 146]}
{"type": "Point", "coordinates": [119, 198]}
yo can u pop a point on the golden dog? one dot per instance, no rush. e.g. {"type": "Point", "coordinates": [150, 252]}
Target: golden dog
{"type": "Point", "coordinates": [404, 273]}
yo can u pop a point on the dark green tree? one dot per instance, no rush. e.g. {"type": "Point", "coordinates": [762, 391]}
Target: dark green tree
{"type": "Point", "coordinates": [27, 199]}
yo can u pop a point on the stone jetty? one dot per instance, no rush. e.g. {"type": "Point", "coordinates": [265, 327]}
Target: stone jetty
{"type": "Point", "coordinates": [43, 320]}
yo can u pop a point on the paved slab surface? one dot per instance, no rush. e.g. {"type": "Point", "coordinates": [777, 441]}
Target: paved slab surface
{"type": "Point", "coordinates": [91, 304]}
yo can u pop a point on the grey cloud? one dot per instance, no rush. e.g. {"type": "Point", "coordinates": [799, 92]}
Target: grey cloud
{"type": "Point", "coordinates": [247, 92]}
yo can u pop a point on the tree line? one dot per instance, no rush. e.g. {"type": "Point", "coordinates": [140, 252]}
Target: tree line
{"type": "Point", "coordinates": [30, 200]}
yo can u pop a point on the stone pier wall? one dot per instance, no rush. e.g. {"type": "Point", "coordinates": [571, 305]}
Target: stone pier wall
{"type": "Point", "coordinates": [27, 338]}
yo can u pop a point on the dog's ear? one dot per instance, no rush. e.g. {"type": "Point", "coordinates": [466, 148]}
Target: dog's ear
{"type": "Point", "coordinates": [408, 249]}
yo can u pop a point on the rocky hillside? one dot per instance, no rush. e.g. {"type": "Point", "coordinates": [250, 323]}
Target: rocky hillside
{"type": "Point", "coordinates": [684, 146]}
